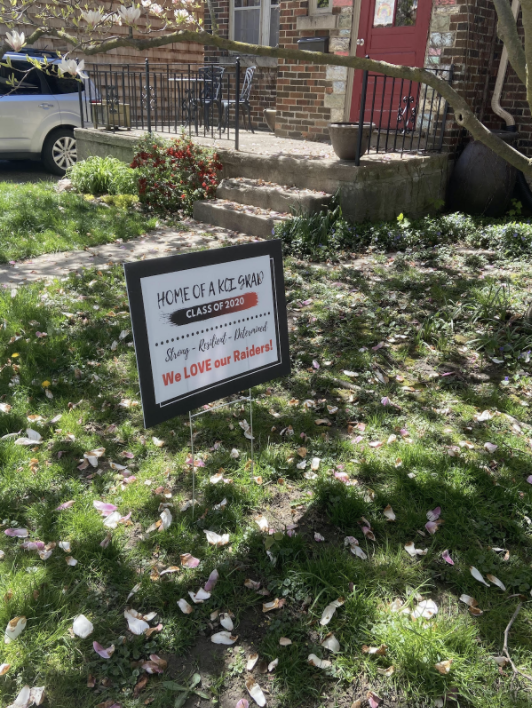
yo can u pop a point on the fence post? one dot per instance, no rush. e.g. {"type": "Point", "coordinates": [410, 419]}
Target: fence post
{"type": "Point", "coordinates": [361, 116]}
{"type": "Point", "coordinates": [445, 110]}
{"type": "Point", "coordinates": [81, 104]}
{"type": "Point", "coordinates": [237, 104]}
{"type": "Point", "coordinates": [148, 97]}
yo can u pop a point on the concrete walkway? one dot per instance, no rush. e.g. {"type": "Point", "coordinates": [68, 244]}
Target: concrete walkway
{"type": "Point", "coordinates": [157, 244]}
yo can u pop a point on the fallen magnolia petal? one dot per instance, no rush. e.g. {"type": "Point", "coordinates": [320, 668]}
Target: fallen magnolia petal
{"type": "Point", "coordinates": [285, 642]}
{"type": "Point", "coordinates": [389, 513]}
{"type": "Point", "coordinates": [82, 627]}
{"type": "Point", "coordinates": [64, 546]}
{"type": "Point", "coordinates": [490, 447]}
{"type": "Point", "coordinates": [443, 667]}
{"type": "Point", "coordinates": [315, 464]}
{"type": "Point", "coordinates": [106, 541]}
{"type": "Point", "coordinates": [17, 533]}
{"type": "Point", "coordinates": [185, 607]}
{"type": "Point", "coordinates": [387, 672]}
{"type": "Point", "coordinates": [255, 691]}
{"type": "Point", "coordinates": [242, 703]}
{"type": "Point", "coordinates": [374, 700]}
{"type": "Point", "coordinates": [434, 514]}
{"type": "Point", "coordinates": [497, 582]}
{"type": "Point", "coordinates": [23, 698]}
{"type": "Point", "coordinates": [137, 625]}
{"type": "Point", "coordinates": [331, 643]}
{"type": "Point", "coordinates": [358, 552]}
{"type": "Point", "coordinates": [2, 555]}
{"type": "Point", "coordinates": [329, 611]}
{"type": "Point", "coordinates": [502, 661]}
{"type": "Point", "coordinates": [104, 653]}
{"type": "Point", "coordinates": [252, 584]}
{"type": "Point", "coordinates": [104, 508]}
{"type": "Point", "coordinates": [65, 505]}
{"type": "Point", "coordinates": [166, 518]}
{"type": "Point", "coordinates": [425, 609]}
{"type": "Point", "coordinates": [223, 638]}
{"type": "Point", "coordinates": [14, 628]}
{"type": "Point", "coordinates": [215, 539]}
{"type": "Point", "coordinates": [188, 561]}
{"type": "Point", "coordinates": [251, 661]}
{"type": "Point", "coordinates": [318, 537]}
{"type": "Point", "coordinates": [273, 665]}
{"type": "Point", "coordinates": [4, 668]}
{"type": "Point", "coordinates": [71, 561]}
{"type": "Point", "coordinates": [472, 604]}
{"type": "Point", "coordinates": [157, 442]}
{"type": "Point", "coordinates": [32, 546]}
{"type": "Point", "coordinates": [112, 521]}
{"type": "Point", "coordinates": [211, 582]}
{"type": "Point", "coordinates": [314, 660]}
{"type": "Point", "coordinates": [413, 551]}
{"type": "Point", "coordinates": [478, 575]}
{"type": "Point", "coordinates": [262, 523]}
{"type": "Point", "coordinates": [200, 596]}
{"type": "Point", "coordinates": [447, 558]}
{"type": "Point", "coordinates": [226, 621]}
{"type": "Point", "coordinates": [273, 605]}
{"type": "Point", "coordinates": [155, 665]}
{"type": "Point", "coordinates": [375, 651]}
{"type": "Point", "coordinates": [432, 527]}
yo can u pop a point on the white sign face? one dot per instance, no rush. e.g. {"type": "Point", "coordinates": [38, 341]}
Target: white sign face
{"type": "Point", "coordinates": [209, 324]}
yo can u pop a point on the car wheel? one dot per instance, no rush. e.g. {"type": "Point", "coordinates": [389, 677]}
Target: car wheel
{"type": "Point", "coordinates": [59, 151]}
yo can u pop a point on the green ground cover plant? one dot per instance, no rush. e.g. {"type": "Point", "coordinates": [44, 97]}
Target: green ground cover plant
{"type": "Point", "coordinates": [35, 219]}
{"type": "Point", "coordinates": [409, 400]}
{"type": "Point", "coordinates": [327, 235]}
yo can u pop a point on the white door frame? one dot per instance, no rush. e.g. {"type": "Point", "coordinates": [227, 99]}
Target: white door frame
{"type": "Point", "coordinates": [357, 5]}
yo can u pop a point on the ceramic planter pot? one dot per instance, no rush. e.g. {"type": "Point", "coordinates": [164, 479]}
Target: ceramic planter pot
{"type": "Point", "coordinates": [269, 116]}
{"type": "Point", "coordinates": [344, 139]}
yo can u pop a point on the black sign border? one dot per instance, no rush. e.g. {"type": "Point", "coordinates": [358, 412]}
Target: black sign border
{"type": "Point", "coordinates": [134, 271]}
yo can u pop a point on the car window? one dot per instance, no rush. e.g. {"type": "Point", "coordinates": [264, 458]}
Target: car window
{"type": "Point", "coordinates": [62, 85]}
{"type": "Point", "coordinates": [27, 77]}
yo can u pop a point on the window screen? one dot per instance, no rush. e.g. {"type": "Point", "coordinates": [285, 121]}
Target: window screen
{"type": "Point", "coordinates": [247, 21]}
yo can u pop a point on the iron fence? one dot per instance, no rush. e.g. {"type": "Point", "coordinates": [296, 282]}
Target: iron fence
{"type": "Point", "coordinates": [202, 99]}
{"type": "Point", "coordinates": [401, 115]}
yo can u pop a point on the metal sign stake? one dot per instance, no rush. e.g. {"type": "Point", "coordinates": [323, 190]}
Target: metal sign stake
{"type": "Point", "coordinates": [191, 417]}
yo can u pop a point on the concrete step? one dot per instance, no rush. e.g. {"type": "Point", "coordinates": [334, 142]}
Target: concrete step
{"type": "Point", "coordinates": [272, 196]}
{"type": "Point", "coordinates": [230, 215]}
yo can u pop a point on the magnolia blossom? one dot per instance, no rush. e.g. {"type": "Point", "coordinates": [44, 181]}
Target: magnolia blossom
{"type": "Point", "coordinates": [15, 40]}
{"type": "Point", "coordinates": [92, 18]}
{"type": "Point", "coordinates": [156, 9]}
{"type": "Point", "coordinates": [129, 15]}
{"type": "Point", "coordinates": [145, 3]}
{"type": "Point", "coordinates": [182, 16]}
{"type": "Point", "coordinates": [70, 66]}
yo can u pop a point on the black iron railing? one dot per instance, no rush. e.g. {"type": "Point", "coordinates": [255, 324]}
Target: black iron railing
{"type": "Point", "coordinates": [400, 115]}
{"type": "Point", "coordinates": [202, 99]}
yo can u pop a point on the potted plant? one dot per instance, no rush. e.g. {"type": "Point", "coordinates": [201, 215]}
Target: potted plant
{"type": "Point", "coordinates": [344, 139]}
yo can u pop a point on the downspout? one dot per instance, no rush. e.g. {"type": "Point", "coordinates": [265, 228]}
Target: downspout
{"type": "Point", "coordinates": [499, 83]}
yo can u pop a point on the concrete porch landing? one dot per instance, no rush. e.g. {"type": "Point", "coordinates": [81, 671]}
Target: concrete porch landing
{"type": "Point", "coordinates": [381, 188]}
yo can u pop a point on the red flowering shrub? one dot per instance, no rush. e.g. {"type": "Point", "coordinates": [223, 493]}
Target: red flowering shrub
{"type": "Point", "coordinates": [173, 175]}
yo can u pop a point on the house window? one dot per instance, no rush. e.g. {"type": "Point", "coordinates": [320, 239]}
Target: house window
{"type": "Point", "coordinates": [320, 7]}
{"type": "Point", "coordinates": [256, 22]}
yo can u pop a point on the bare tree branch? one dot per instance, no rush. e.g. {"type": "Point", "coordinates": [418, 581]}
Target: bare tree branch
{"type": "Point", "coordinates": [507, 31]}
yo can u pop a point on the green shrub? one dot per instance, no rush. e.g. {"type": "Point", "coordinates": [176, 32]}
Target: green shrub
{"type": "Point", "coordinates": [174, 174]}
{"type": "Point", "coordinates": [122, 201]}
{"type": "Point", "coordinates": [325, 236]}
{"type": "Point", "coordinates": [103, 175]}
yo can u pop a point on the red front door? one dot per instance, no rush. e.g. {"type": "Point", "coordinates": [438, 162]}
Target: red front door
{"type": "Point", "coordinates": [394, 31]}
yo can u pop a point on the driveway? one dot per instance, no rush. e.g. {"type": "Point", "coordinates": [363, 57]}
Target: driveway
{"type": "Point", "coordinates": [24, 171]}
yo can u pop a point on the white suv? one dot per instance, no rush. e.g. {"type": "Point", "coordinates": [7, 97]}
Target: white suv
{"type": "Point", "coordinates": [38, 118]}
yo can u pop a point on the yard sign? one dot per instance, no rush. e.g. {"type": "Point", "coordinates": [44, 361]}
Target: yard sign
{"type": "Point", "coordinates": [207, 325]}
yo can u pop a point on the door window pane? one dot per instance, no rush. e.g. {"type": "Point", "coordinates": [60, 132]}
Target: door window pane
{"type": "Point", "coordinates": [405, 14]}
{"type": "Point", "coordinates": [383, 16]}
{"type": "Point", "coordinates": [247, 21]}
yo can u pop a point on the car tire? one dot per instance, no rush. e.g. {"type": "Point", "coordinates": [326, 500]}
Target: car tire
{"type": "Point", "coordinates": [59, 151]}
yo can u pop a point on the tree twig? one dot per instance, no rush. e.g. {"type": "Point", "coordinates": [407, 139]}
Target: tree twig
{"type": "Point", "coordinates": [505, 645]}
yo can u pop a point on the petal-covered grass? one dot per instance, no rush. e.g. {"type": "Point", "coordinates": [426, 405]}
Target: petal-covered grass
{"type": "Point", "coordinates": [35, 219]}
{"type": "Point", "coordinates": [429, 343]}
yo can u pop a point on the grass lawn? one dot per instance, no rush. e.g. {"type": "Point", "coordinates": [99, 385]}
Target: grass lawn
{"type": "Point", "coordinates": [35, 219]}
{"type": "Point", "coordinates": [402, 355]}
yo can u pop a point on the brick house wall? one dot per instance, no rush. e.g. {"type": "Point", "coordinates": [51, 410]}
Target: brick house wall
{"type": "Point", "coordinates": [179, 52]}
